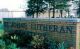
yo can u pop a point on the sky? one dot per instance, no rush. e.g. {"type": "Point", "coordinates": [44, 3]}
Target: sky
{"type": "Point", "coordinates": [13, 5]}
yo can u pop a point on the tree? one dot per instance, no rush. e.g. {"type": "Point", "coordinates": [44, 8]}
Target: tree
{"type": "Point", "coordinates": [30, 12]}
{"type": "Point", "coordinates": [51, 3]}
{"type": "Point", "coordinates": [62, 5]}
{"type": "Point", "coordinates": [57, 4]}
{"type": "Point", "coordinates": [36, 6]}
{"type": "Point", "coordinates": [78, 10]}
{"type": "Point", "coordinates": [68, 11]}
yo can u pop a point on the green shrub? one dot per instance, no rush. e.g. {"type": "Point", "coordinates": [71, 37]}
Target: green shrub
{"type": "Point", "coordinates": [12, 46]}
{"type": "Point", "coordinates": [2, 44]}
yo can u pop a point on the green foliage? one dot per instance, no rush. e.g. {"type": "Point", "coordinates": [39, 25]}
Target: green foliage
{"type": "Point", "coordinates": [2, 44]}
{"type": "Point", "coordinates": [29, 41]}
{"type": "Point", "coordinates": [61, 46]}
{"type": "Point", "coordinates": [1, 26]}
{"type": "Point", "coordinates": [78, 10]}
{"type": "Point", "coordinates": [12, 46]}
{"type": "Point", "coordinates": [57, 4]}
{"type": "Point", "coordinates": [35, 6]}
{"type": "Point", "coordinates": [37, 41]}
{"type": "Point", "coordinates": [40, 6]}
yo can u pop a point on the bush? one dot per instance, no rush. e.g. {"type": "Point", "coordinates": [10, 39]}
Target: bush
{"type": "Point", "coordinates": [2, 44]}
{"type": "Point", "coordinates": [12, 46]}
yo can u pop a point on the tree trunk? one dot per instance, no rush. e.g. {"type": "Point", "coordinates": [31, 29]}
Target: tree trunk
{"type": "Point", "coordinates": [33, 15]}
{"type": "Point", "coordinates": [61, 13]}
{"type": "Point", "coordinates": [49, 10]}
{"type": "Point", "coordinates": [37, 15]}
{"type": "Point", "coordinates": [68, 12]}
{"type": "Point", "coordinates": [78, 11]}
{"type": "Point", "coordinates": [37, 9]}
{"type": "Point", "coordinates": [53, 13]}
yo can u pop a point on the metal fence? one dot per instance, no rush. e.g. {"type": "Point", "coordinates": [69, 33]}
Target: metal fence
{"type": "Point", "coordinates": [12, 14]}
